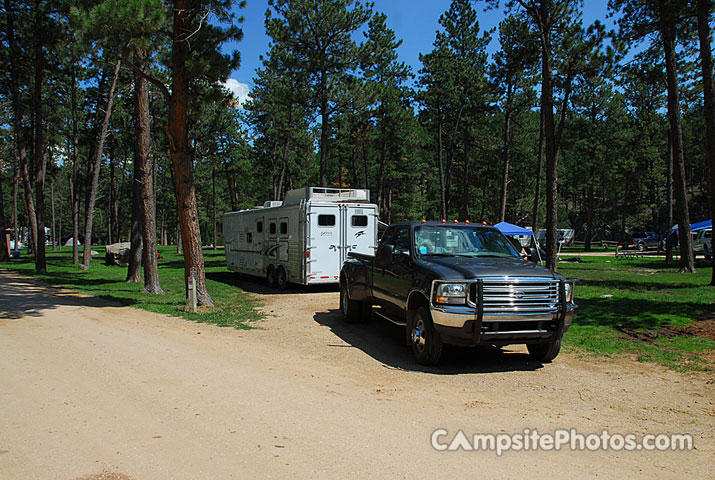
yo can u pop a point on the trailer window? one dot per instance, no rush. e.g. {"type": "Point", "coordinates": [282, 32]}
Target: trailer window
{"type": "Point", "coordinates": [284, 228]}
{"type": "Point", "coordinates": [326, 220]}
{"type": "Point", "coordinates": [259, 226]}
{"type": "Point", "coordinates": [359, 221]}
{"type": "Point", "coordinates": [271, 228]}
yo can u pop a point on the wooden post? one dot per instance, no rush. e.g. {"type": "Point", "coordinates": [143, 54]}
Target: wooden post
{"type": "Point", "coordinates": [191, 287]}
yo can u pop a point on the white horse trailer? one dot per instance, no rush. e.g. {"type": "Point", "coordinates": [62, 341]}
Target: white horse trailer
{"type": "Point", "coordinates": [305, 239]}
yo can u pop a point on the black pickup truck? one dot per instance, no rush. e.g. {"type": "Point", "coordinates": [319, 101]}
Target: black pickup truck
{"type": "Point", "coordinates": [461, 284]}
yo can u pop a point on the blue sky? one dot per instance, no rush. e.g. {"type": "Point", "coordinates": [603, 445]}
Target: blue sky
{"type": "Point", "coordinates": [414, 22]}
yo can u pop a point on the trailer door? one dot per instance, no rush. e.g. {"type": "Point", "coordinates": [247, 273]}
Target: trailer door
{"type": "Point", "coordinates": [360, 230]}
{"type": "Point", "coordinates": [324, 246]}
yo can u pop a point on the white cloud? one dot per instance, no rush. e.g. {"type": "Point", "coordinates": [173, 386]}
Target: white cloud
{"type": "Point", "coordinates": [241, 91]}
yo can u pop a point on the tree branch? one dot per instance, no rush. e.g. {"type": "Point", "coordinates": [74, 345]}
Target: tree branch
{"type": "Point", "coordinates": [155, 81]}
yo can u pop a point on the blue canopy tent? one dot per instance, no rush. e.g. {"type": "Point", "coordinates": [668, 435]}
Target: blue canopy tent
{"type": "Point", "coordinates": [671, 239]}
{"type": "Point", "coordinates": [696, 226]}
{"type": "Point", "coordinates": [508, 229]}
{"type": "Point", "coordinates": [511, 230]}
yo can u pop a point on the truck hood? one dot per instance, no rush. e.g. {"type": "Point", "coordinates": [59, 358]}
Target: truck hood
{"type": "Point", "coordinates": [461, 268]}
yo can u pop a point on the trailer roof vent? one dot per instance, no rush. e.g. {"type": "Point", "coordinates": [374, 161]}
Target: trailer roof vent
{"type": "Point", "coordinates": [337, 195]}
{"type": "Point", "coordinates": [272, 203]}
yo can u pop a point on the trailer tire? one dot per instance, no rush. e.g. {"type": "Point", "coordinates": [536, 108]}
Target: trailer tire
{"type": "Point", "coordinates": [281, 278]}
{"type": "Point", "coordinates": [271, 277]}
{"type": "Point", "coordinates": [351, 309]}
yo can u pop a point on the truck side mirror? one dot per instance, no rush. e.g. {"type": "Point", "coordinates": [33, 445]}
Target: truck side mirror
{"type": "Point", "coordinates": [533, 255]}
{"type": "Point", "coordinates": [384, 254]}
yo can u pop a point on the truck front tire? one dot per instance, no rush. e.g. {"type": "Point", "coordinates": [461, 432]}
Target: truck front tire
{"type": "Point", "coordinates": [544, 352]}
{"type": "Point", "coordinates": [426, 342]}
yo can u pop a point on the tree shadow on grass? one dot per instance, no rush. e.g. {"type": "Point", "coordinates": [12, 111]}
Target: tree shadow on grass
{"type": "Point", "coordinates": [385, 342]}
{"type": "Point", "coordinates": [634, 313]}
{"type": "Point", "coordinates": [635, 286]}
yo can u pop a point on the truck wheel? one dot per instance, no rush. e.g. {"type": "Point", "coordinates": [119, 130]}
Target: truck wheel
{"type": "Point", "coordinates": [641, 247]}
{"type": "Point", "coordinates": [544, 352]}
{"type": "Point", "coordinates": [426, 342]}
{"type": "Point", "coordinates": [271, 277]}
{"type": "Point", "coordinates": [350, 308]}
{"type": "Point", "coordinates": [281, 278]}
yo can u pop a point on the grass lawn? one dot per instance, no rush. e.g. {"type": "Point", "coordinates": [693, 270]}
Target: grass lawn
{"type": "Point", "coordinates": [233, 306]}
{"type": "Point", "coordinates": [636, 307]}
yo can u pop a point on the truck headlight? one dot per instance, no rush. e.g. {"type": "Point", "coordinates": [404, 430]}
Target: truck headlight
{"type": "Point", "coordinates": [568, 292]}
{"type": "Point", "coordinates": [452, 293]}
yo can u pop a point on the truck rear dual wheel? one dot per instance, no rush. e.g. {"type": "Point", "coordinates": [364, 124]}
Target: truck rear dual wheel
{"type": "Point", "coordinates": [544, 352]}
{"type": "Point", "coordinates": [426, 342]}
{"type": "Point", "coordinates": [350, 308]}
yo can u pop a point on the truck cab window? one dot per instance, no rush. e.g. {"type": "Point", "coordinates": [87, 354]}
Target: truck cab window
{"type": "Point", "coordinates": [401, 240]}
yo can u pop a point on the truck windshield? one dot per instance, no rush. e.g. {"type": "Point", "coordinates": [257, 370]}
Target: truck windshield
{"type": "Point", "coordinates": [462, 240]}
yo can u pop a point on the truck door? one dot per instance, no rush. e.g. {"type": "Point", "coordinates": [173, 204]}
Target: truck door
{"type": "Point", "coordinates": [391, 283]}
{"type": "Point", "coordinates": [324, 246]}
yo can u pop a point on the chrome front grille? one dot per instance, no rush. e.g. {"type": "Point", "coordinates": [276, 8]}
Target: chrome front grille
{"type": "Point", "coordinates": [518, 296]}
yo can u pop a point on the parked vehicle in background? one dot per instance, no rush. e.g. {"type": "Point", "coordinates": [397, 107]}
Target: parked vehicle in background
{"type": "Point", "coordinates": [566, 236]}
{"type": "Point", "coordinates": [642, 241]}
{"type": "Point", "coordinates": [703, 243]}
{"type": "Point", "coordinates": [303, 239]}
{"type": "Point", "coordinates": [460, 284]}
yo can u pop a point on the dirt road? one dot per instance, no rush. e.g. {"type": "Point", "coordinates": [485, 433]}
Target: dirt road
{"type": "Point", "coordinates": [87, 386]}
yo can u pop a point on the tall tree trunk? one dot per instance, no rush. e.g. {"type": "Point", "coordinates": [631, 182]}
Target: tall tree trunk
{"type": "Point", "coordinates": [18, 120]}
{"type": "Point", "coordinates": [74, 190]}
{"type": "Point", "coordinates": [505, 172]}
{"type": "Point", "coordinates": [213, 205]}
{"type": "Point", "coordinates": [383, 160]}
{"type": "Point", "coordinates": [232, 194]}
{"type": "Point", "coordinates": [687, 262]}
{"type": "Point", "coordinates": [669, 181]}
{"type": "Point", "coordinates": [97, 163]}
{"type": "Point", "coordinates": [547, 109]}
{"type": "Point", "coordinates": [134, 270]}
{"type": "Point", "coordinates": [324, 130]}
{"type": "Point", "coordinates": [145, 180]}
{"type": "Point", "coordinates": [4, 247]}
{"type": "Point", "coordinates": [40, 149]}
{"type": "Point", "coordinates": [539, 168]}
{"type": "Point", "coordinates": [113, 231]}
{"type": "Point", "coordinates": [589, 212]}
{"type": "Point", "coordinates": [52, 207]}
{"type": "Point", "coordinates": [440, 162]}
{"type": "Point", "coordinates": [706, 61]}
{"type": "Point", "coordinates": [181, 153]}
{"type": "Point", "coordinates": [464, 207]}
{"type": "Point", "coordinates": [15, 181]}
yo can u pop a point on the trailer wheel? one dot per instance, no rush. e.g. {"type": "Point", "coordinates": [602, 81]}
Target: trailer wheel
{"type": "Point", "coordinates": [271, 277]}
{"type": "Point", "coordinates": [281, 278]}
